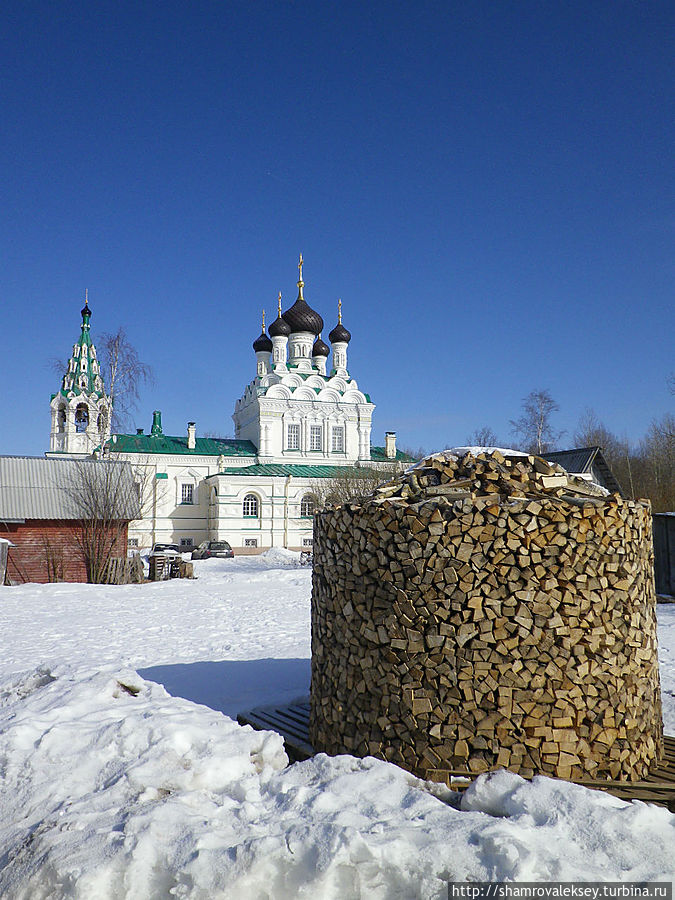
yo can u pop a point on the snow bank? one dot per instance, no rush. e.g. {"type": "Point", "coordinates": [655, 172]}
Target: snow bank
{"type": "Point", "coordinates": [108, 783]}
{"type": "Point", "coordinates": [111, 788]}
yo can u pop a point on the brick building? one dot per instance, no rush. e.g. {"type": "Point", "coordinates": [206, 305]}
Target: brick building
{"type": "Point", "coordinates": [43, 504]}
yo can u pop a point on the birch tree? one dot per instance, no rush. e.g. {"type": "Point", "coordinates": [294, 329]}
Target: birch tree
{"type": "Point", "coordinates": [124, 374]}
{"type": "Point", "coordinates": [534, 428]}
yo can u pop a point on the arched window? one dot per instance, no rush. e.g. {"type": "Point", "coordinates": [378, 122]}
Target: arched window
{"type": "Point", "coordinates": [61, 419]}
{"type": "Point", "coordinates": [81, 418]}
{"type": "Point", "coordinates": [250, 506]}
{"type": "Point", "coordinates": [308, 505]}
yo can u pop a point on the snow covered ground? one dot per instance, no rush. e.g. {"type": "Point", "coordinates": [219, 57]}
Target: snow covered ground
{"type": "Point", "coordinates": [122, 774]}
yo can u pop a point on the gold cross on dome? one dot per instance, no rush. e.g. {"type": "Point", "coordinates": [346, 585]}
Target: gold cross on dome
{"type": "Point", "coordinates": [279, 300]}
{"type": "Point", "coordinates": [300, 264]}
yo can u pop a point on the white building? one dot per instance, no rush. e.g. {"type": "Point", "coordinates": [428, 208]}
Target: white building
{"type": "Point", "coordinates": [297, 423]}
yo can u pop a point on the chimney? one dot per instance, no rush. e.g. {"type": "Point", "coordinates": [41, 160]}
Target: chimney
{"type": "Point", "coordinates": [192, 435]}
{"type": "Point", "coordinates": [390, 445]}
{"type": "Point", "coordinates": [156, 422]}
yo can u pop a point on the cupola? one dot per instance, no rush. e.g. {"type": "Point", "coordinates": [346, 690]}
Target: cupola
{"type": "Point", "coordinates": [320, 353]}
{"type": "Point", "coordinates": [301, 317]}
{"type": "Point", "coordinates": [280, 327]}
{"type": "Point", "coordinates": [279, 332]}
{"type": "Point", "coordinates": [339, 334]}
{"type": "Point", "coordinates": [319, 348]}
{"type": "Point", "coordinates": [263, 342]}
{"type": "Point", "coordinates": [263, 348]}
{"type": "Point", "coordinates": [340, 338]}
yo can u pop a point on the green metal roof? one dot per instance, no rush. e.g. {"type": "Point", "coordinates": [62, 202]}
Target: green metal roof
{"type": "Point", "coordinates": [164, 443]}
{"type": "Point", "coordinates": [297, 470]}
{"type": "Point", "coordinates": [378, 454]}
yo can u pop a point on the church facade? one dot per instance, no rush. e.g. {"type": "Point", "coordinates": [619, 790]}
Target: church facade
{"type": "Point", "coordinates": [301, 422]}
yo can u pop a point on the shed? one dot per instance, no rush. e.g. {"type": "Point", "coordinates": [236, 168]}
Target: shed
{"type": "Point", "coordinates": [664, 553]}
{"type": "Point", "coordinates": [588, 463]}
{"type": "Point", "coordinates": [43, 503]}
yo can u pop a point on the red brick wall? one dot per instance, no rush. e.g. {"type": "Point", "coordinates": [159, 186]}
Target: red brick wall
{"type": "Point", "coordinates": [48, 551]}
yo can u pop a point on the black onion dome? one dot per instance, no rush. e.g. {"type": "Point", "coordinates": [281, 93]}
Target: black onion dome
{"type": "Point", "coordinates": [279, 328]}
{"type": "Point", "coordinates": [85, 311]}
{"type": "Point", "coordinates": [301, 317]}
{"type": "Point", "coordinates": [262, 343]}
{"type": "Point", "coordinates": [339, 333]}
{"type": "Point", "coordinates": [319, 348]}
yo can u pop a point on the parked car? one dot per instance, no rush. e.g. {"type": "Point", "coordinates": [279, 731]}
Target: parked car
{"type": "Point", "coordinates": [213, 550]}
{"type": "Point", "coordinates": [171, 551]}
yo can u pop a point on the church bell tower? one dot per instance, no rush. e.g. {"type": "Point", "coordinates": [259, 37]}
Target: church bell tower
{"type": "Point", "coordinates": [80, 411]}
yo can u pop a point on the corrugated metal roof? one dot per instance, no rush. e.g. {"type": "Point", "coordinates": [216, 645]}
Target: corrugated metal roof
{"type": "Point", "coordinates": [586, 461]}
{"type": "Point", "coordinates": [578, 461]}
{"type": "Point", "coordinates": [39, 488]}
{"type": "Point", "coordinates": [296, 470]}
{"type": "Point", "coordinates": [164, 443]}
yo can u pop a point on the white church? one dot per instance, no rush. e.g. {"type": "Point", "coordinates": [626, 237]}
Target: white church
{"type": "Point", "coordinates": [297, 423]}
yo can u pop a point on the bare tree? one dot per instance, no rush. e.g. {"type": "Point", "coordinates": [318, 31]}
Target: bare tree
{"type": "Point", "coordinates": [656, 464]}
{"type": "Point", "coordinates": [534, 427]}
{"type": "Point", "coordinates": [414, 452]}
{"type": "Point", "coordinates": [124, 373]}
{"type": "Point", "coordinates": [104, 496]}
{"type": "Point", "coordinates": [352, 484]}
{"type": "Point", "coordinates": [591, 432]}
{"type": "Point", "coordinates": [482, 437]}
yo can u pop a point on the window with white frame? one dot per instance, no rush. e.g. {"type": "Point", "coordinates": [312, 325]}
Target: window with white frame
{"type": "Point", "coordinates": [187, 493]}
{"type": "Point", "coordinates": [337, 443]}
{"type": "Point", "coordinates": [250, 506]}
{"type": "Point", "coordinates": [293, 437]}
{"type": "Point", "coordinates": [188, 543]}
{"type": "Point", "coordinates": [315, 436]}
{"type": "Point", "coordinates": [250, 542]}
{"type": "Point", "coordinates": [307, 505]}
{"type": "Point", "coordinates": [307, 542]}
{"type": "Point", "coordinates": [132, 542]}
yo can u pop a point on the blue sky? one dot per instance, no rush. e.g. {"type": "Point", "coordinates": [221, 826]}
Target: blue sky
{"type": "Point", "coordinates": [487, 186]}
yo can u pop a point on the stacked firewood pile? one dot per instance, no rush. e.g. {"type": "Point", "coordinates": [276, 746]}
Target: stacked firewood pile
{"type": "Point", "coordinates": [486, 610]}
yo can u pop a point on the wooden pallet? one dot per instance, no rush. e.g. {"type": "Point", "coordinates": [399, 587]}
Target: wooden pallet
{"type": "Point", "coordinates": [292, 723]}
{"type": "Point", "coordinates": [658, 787]}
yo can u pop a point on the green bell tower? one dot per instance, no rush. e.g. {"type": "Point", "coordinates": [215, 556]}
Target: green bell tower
{"type": "Point", "coordinates": [80, 411]}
